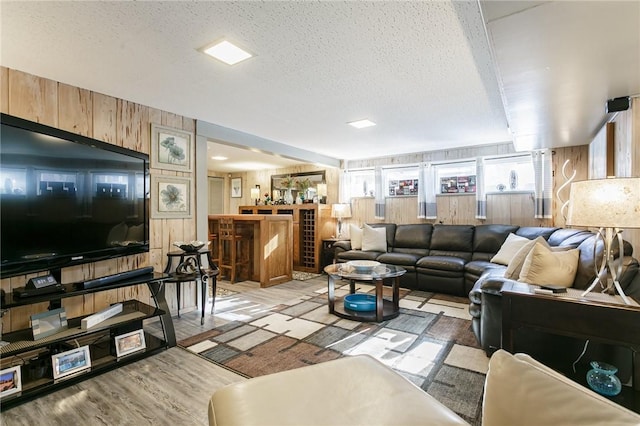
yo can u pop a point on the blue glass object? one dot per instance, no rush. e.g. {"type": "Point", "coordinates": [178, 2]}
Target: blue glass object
{"type": "Point", "coordinates": [602, 379]}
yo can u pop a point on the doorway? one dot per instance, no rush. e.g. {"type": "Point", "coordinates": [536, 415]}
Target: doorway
{"type": "Point", "coordinates": [216, 195]}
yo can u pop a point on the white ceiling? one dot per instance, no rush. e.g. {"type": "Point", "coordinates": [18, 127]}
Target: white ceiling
{"type": "Point", "coordinates": [430, 73]}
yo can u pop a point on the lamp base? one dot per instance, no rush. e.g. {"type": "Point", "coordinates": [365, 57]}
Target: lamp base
{"type": "Point", "coordinates": [608, 268]}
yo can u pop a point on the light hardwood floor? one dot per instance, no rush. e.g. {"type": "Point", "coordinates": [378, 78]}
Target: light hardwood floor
{"type": "Point", "coordinates": [169, 388]}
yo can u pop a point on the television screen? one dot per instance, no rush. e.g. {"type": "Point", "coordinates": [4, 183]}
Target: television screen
{"type": "Point", "coordinates": [67, 199]}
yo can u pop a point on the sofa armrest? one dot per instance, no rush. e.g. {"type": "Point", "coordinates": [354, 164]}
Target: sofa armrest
{"type": "Point", "coordinates": [341, 246]}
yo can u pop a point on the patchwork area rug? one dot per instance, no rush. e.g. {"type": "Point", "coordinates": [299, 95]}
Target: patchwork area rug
{"type": "Point", "coordinates": [303, 276]}
{"type": "Point", "coordinates": [431, 342]}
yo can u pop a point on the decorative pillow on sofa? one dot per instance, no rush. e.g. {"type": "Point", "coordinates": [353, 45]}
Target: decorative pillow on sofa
{"type": "Point", "coordinates": [374, 239]}
{"type": "Point", "coordinates": [355, 234]}
{"type": "Point", "coordinates": [509, 248]}
{"type": "Point", "coordinates": [543, 266]}
{"type": "Point", "coordinates": [515, 265]}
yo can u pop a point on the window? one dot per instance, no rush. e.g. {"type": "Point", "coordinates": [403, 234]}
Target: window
{"type": "Point", "coordinates": [512, 173]}
{"type": "Point", "coordinates": [361, 183]}
{"type": "Point", "coordinates": [457, 177]}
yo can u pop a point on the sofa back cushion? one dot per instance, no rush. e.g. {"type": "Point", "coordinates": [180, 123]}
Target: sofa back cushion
{"type": "Point", "coordinates": [586, 266]}
{"type": "Point", "coordinates": [413, 239]}
{"type": "Point", "coordinates": [532, 232]}
{"type": "Point", "coordinates": [488, 239]}
{"type": "Point", "coordinates": [452, 240]}
{"type": "Point", "coordinates": [568, 237]}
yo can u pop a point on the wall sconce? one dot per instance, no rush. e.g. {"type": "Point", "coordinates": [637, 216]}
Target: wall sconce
{"type": "Point", "coordinates": [340, 211]}
{"type": "Point", "coordinates": [322, 193]}
{"type": "Point", "coordinates": [255, 194]}
{"type": "Point", "coordinates": [610, 204]}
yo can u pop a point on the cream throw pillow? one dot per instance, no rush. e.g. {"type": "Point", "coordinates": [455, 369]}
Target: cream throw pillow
{"type": "Point", "coordinates": [374, 239]}
{"type": "Point", "coordinates": [355, 234]}
{"type": "Point", "coordinates": [543, 266]}
{"type": "Point", "coordinates": [509, 248]}
{"type": "Point", "coordinates": [515, 265]}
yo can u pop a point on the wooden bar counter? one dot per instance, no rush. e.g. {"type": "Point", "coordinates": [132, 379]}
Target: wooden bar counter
{"type": "Point", "coordinates": [272, 260]}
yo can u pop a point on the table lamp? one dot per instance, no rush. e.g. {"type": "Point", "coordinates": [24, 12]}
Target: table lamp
{"type": "Point", "coordinates": [255, 194]}
{"type": "Point", "coordinates": [340, 211]}
{"type": "Point", "coordinates": [322, 193]}
{"type": "Point", "coordinates": [611, 205]}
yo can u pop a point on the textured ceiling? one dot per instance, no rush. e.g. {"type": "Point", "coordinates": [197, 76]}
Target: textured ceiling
{"type": "Point", "coordinates": [422, 70]}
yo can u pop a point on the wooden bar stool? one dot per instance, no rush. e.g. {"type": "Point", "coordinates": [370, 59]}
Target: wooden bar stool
{"type": "Point", "coordinates": [234, 248]}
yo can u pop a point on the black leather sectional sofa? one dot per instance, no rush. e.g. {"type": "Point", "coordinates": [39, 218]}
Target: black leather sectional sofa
{"type": "Point", "coordinates": [455, 259]}
{"type": "Point", "coordinates": [452, 258]}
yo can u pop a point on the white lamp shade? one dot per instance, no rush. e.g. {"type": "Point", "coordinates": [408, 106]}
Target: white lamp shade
{"type": "Point", "coordinates": [322, 190]}
{"type": "Point", "coordinates": [255, 193]}
{"type": "Point", "coordinates": [605, 203]}
{"type": "Point", "coordinates": [341, 211]}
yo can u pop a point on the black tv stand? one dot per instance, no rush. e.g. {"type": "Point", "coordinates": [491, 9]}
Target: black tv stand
{"type": "Point", "coordinates": [34, 356]}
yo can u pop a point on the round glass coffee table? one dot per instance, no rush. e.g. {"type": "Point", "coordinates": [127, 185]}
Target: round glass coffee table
{"type": "Point", "coordinates": [384, 309]}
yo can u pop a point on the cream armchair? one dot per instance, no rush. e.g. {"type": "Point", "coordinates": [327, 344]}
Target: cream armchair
{"type": "Point", "coordinates": [360, 390]}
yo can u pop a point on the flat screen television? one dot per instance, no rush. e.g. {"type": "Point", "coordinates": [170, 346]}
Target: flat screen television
{"type": "Point", "coordinates": [66, 199]}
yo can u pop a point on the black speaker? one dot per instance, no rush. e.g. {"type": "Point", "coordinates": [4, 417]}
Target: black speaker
{"type": "Point", "coordinates": [618, 104]}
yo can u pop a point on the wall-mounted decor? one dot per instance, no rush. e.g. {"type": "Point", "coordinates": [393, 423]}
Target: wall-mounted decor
{"type": "Point", "coordinates": [297, 183]}
{"type": "Point", "coordinates": [10, 381]}
{"type": "Point", "coordinates": [457, 184]}
{"type": "Point", "coordinates": [236, 187]}
{"type": "Point", "coordinates": [129, 343]}
{"type": "Point", "coordinates": [171, 149]}
{"type": "Point", "coordinates": [170, 197]}
{"type": "Point", "coordinates": [403, 187]}
{"type": "Point", "coordinates": [71, 362]}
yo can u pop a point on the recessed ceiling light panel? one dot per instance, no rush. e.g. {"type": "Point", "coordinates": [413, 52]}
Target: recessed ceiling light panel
{"type": "Point", "coordinates": [227, 52]}
{"type": "Point", "coordinates": [219, 158]}
{"type": "Point", "coordinates": [361, 124]}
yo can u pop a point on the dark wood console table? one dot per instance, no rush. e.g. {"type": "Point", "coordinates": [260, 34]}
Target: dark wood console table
{"type": "Point", "coordinates": [598, 318]}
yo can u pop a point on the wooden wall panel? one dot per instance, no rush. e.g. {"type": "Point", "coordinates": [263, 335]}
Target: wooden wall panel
{"type": "Point", "coordinates": [33, 98]}
{"type": "Point", "coordinates": [115, 121]}
{"type": "Point", "coordinates": [4, 92]}
{"type": "Point", "coordinates": [75, 110]}
{"type": "Point", "coordinates": [578, 157]}
{"type": "Point", "coordinates": [105, 111]}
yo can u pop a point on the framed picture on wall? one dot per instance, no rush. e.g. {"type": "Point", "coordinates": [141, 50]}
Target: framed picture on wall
{"type": "Point", "coordinates": [172, 149]}
{"type": "Point", "coordinates": [236, 188]}
{"type": "Point", "coordinates": [171, 197]}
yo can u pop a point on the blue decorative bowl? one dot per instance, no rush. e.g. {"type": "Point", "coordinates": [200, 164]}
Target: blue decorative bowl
{"type": "Point", "coordinates": [360, 302]}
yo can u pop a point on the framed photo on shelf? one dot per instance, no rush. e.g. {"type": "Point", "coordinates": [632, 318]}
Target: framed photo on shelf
{"type": "Point", "coordinates": [48, 323]}
{"type": "Point", "coordinates": [129, 343]}
{"type": "Point", "coordinates": [171, 197]}
{"type": "Point", "coordinates": [236, 187]}
{"type": "Point", "coordinates": [71, 362]}
{"type": "Point", "coordinates": [10, 381]}
{"type": "Point", "coordinates": [171, 149]}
